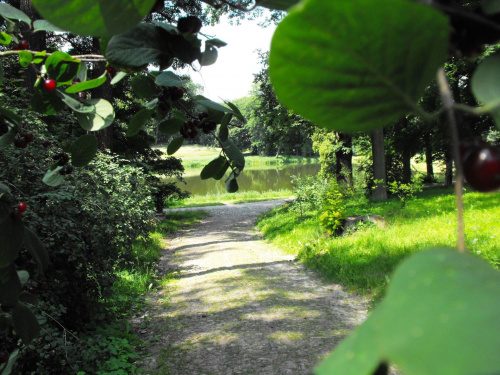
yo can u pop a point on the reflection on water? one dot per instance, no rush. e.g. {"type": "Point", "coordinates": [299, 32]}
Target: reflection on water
{"type": "Point", "coordinates": [252, 180]}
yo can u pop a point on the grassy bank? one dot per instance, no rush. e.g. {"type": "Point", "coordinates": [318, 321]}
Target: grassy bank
{"type": "Point", "coordinates": [363, 260]}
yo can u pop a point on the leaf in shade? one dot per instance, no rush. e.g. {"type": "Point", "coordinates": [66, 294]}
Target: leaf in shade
{"type": "Point", "coordinates": [83, 150]}
{"type": "Point", "coordinates": [9, 12]}
{"type": "Point", "coordinates": [213, 168]}
{"type": "Point", "coordinates": [25, 323]}
{"type": "Point", "coordinates": [484, 84]}
{"type": "Point", "coordinates": [170, 126]}
{"type": "Point", "coordinates": [144, 86]}
{"type": "Point", "coordinates": [232, 184]}
{"type": "Point", "coordinates": [11, 239]}
{"type": "Point", "coordinates": [174, 145]}
{"type": "Point", "coordinates": [210, 55]}
{"type": "Point", "coordinates": [138, 121]}
{"type": "Point", "coordinates": [170, 79]}
{"type": "Point", "coordinates": [10, 288]}
{"type": "Point", "coordinates": [36, 249]}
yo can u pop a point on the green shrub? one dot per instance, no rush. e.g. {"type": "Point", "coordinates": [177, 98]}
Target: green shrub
{"type": "Point", "coordinates": [333, 211]}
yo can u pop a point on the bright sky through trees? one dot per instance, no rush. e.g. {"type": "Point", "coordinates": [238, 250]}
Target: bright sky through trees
{"type": "Point", "coordinates": [231, 77]}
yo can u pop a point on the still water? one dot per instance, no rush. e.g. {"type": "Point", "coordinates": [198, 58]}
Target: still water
{"type": "Point", "coordinates": [276, 178]}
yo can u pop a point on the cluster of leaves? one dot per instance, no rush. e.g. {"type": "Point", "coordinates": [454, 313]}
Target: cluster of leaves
{"type": "Point", "coordinates": [333, 210]}
{"type": "Point", "coordinates": [309, 193]}
{"type": "Point", "coordinates": [406, 191]}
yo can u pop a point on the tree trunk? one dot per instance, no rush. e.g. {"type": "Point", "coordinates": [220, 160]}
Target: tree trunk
{"type": "Point", "coordinates": [37, 42]}
{"type": "Point", "coordinates": [448, 175]}
{"type": "Point", "coordinates": [429, 159]}
{"type": "Point", "coordinates": [406, 167]}
{"type": "Point", "coordinates": [379, 173]}
{"type": "Point", "coordinates": [343, 160]}
{"type": "Point", "coordinates": [105, 91]}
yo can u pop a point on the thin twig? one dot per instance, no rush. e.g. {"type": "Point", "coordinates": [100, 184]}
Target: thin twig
{"type": "Point", "coordinates": [449, 106]}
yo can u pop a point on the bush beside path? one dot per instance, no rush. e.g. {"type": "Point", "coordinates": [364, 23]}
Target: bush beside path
{"type": "Point", "coordinates": [240, 306]}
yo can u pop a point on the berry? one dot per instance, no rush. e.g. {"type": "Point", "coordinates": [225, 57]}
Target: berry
{"type": "Point", "coordinates": [111, 71]}
{"type": "Point", "coordinates": [481, 164]}
{"type": "Point", "coordinates": [28, 137]}
{"type": "Point", "coordinates": [32, 290]}
{"type": "Point", "coordinates": [22, 206]}
{"type": "Point", "coordinates": [76, 80]}
{"type": "Point", "coordinates": [82, 95]}
{"type": "Point", "coordinates": [16, 214]}
{"type": "Point", "coordinates": [20, 143]}
{"type": "Point", "coordinates": [46, 143]}
{"type": "Point", "coordinates": [176, 93]}
{"type": "Point", "coordinates": [202, 115]}
{"type": "Point", "coordinates": [24, 45]}
{"type": "Point", "coordinates": [50, 85]}
{"type": "Point", "coordinates": [190, 24]}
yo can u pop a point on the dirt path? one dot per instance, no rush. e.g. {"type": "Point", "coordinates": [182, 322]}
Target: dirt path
{"type": "Point", "coordinates": [239, 306]}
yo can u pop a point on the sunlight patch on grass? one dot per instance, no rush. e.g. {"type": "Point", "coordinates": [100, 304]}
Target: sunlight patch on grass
{"type": "Point", "coordinates": [286, 336]}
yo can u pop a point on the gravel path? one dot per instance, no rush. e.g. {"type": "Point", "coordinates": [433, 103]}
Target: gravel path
{"type": "Point", "coordinates": [239, 306]}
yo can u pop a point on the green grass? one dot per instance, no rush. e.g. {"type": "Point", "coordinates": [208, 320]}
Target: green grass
{"type": "Point", "coordinates": [363, 261]}
{"type": "Point", "coordinates": [137, 275]}
{"type": "Point", "coordinates": [238, 197]}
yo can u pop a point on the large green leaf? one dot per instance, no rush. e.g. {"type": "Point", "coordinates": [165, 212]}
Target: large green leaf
{"type": "Point", "coordinates": [25, 323]}
{"type": "Point", "coordinates": [47, 102]}
{"type": "Point", "coordinates": [62, 67]}
{"type": "Point", "coordinates": [234, 154]}
{"type": "Point", "coordinates": [83, 150]}
{"type": "Point", "coordinates": [53, 177]}
{"type": "Point", "coordinates": [76, 105]}
{"type": "Point", "coordinates": [170, 79]}
{"type": "Point", "coordinates": [440, 316]}
{"type": "Point", "coordinates": [87, 85]}
{"type": "Point", "coordinates": [213, 105]}
{"type": "Point", "coordinates": [101, 118]}
{"type": "Point", "coordinates": [94, 17]}
{"type": "Point", "coordinates": [174, 145]}
{"type": "Point", "coordinates": [138, 47]}
{"type": "Point", "coordinates": [40, 25]}
{"type": "Point", "coordinates": [9, 12]}
{"type": "Point", "coordinates": [484, 85]}
{"type": "Point", "coordinates": [213, 168]}
{"type": "Point", "coordinates": [356, 65]}
{"type": "Point", "coordinates": [36, 249]}
{"type": "Point", "coordinates": [11, 240]}
{"type": "Point", "coordinates": [170, 126]}
{"type": "Point", "coordinates": [138, 121]}
{"type": "Point", "coordinates": [143, 86]}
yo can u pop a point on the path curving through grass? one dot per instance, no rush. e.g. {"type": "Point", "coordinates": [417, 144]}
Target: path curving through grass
{"type": "Point", "coordinates": [239, 306]}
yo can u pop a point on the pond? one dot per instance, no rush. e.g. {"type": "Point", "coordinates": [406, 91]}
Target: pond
{"type": "Point", "coordinates": [275, 178]}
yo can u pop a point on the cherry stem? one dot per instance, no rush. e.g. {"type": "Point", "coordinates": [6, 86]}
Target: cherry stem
{"type": "Point", "coordinates": [87, 58]}
{"type": "Point", "coordinates": [449, 107]}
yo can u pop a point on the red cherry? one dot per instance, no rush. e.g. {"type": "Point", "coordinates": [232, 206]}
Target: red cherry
{"type": "Point", "coordinates": [24, 44]}
{"type": "Point", "coordinates": [111, 70]}
{"type": "Point", "coordinates": [20, 143]}
{"type": "Point", "coordinates": [82, 95]}
{"type": "Point", "coordinates": [50, 85]}
{"type": "Point", "coordinates": [16, 214]}
{"type": "Point", "coordinates": [46, 143]}
{"type": "Point", "coordinates": [482, 167]}
{"type": "Point", "coordinates": [22, 206]}
{"type": "Point", "coordinates": [32, 290]}
{"type": "Point", "coordinates": [29, 137]}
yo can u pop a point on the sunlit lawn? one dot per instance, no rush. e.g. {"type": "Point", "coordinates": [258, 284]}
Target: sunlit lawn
{"type": "Point", "coordinates": [364, 260]}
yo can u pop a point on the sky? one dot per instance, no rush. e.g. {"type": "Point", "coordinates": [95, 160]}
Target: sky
{"type": "Point", "coordinates": [231, 77]}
